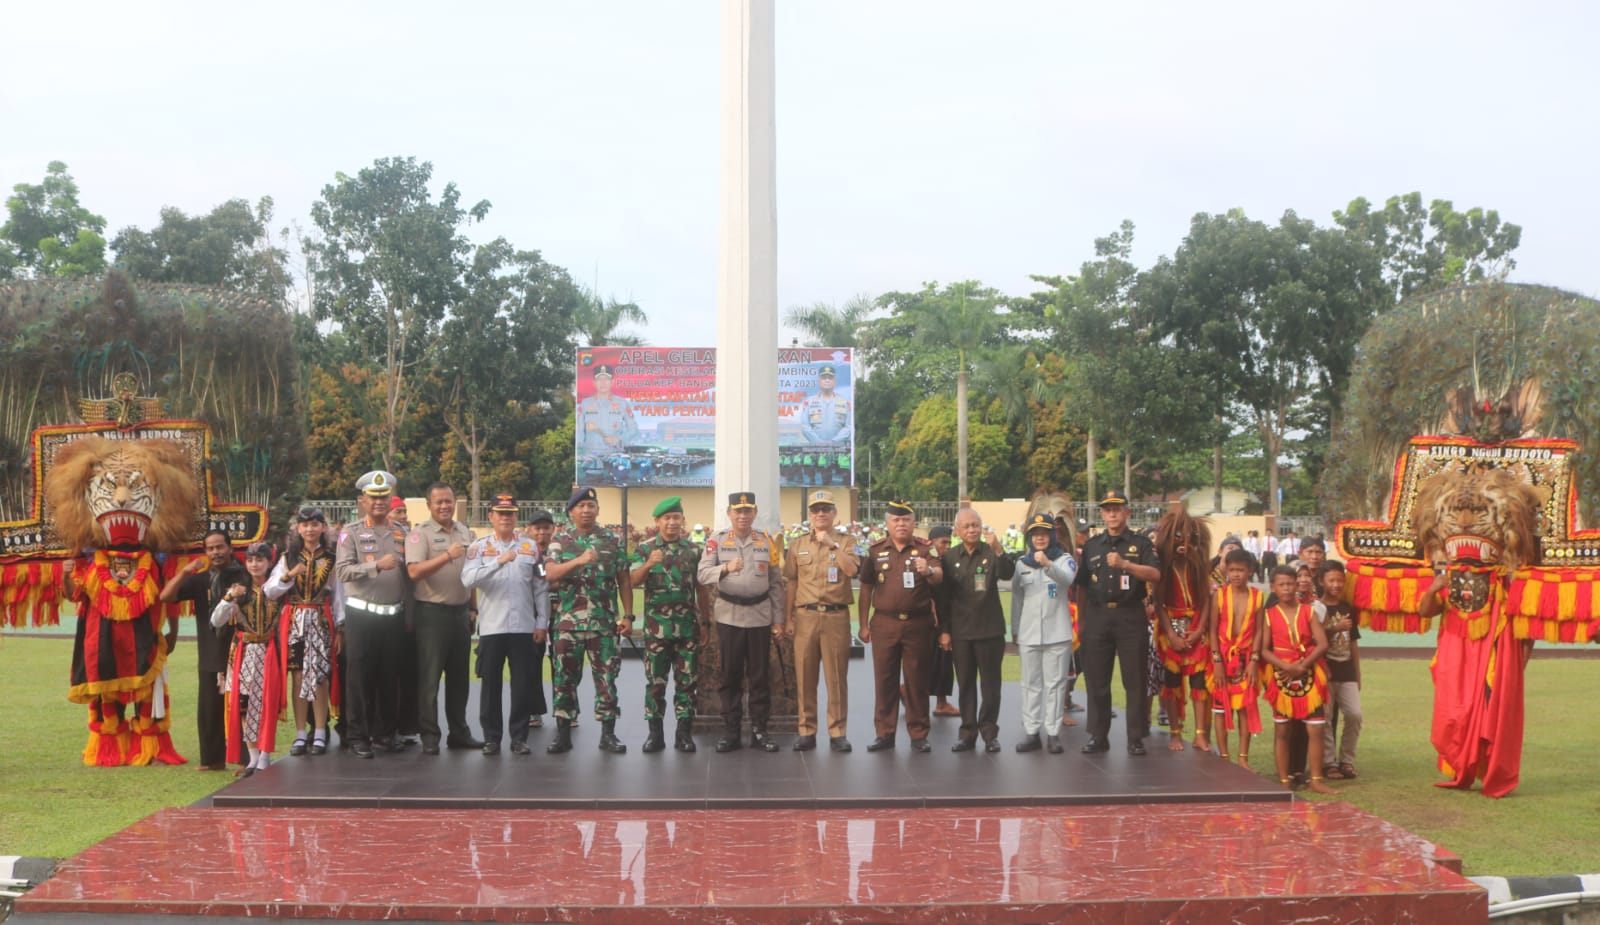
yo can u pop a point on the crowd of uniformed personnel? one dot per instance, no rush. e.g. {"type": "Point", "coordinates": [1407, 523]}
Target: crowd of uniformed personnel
{"type": "Point", "coordinates": [401, 604]}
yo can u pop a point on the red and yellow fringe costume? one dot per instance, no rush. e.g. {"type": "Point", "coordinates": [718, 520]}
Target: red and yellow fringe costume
{"type": "Point", "coordinates": [1291, 639]}
{"type": "Point", "coordinates": [118, 659]}
{"type": "Point", "coordinates": [1231, 690]}
{"type": "Point", "coordinates": [1183, 611]}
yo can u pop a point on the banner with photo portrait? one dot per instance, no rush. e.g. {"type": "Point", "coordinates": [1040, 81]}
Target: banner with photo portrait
{"type": "Point", "coordinates": [647, 416]}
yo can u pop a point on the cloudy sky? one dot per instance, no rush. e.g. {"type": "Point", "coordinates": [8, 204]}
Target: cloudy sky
{"type": "Point", "coordinates": [917, 141]}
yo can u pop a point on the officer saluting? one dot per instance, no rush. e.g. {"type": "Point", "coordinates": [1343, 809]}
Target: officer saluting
{"type": "Point", "coordinates": [1116, 565]}
{"type": "Point", "coordinates": [740, 563]}
{"type": "Point", "coordinates": [370, 561]}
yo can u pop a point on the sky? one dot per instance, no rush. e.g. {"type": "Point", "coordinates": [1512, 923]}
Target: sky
{"type": "Point", "coordinates": [917, 141]}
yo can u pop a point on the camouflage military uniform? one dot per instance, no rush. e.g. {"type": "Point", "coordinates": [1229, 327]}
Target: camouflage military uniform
{"type": "Point", "coordinates": [586, 621]}
{"type": "Point", "coordinates": [671, 640]}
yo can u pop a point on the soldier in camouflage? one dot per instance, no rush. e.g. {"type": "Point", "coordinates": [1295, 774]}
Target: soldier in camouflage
{"type": "Point", "coordinates": [589, 571]}
{"type": "Point", "coordinates": [666, 566]}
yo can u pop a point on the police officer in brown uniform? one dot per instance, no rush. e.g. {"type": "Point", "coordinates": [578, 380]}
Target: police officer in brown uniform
{"type": "Point", "coordinates": [740, 564]}
{"type": "Point", "coordinates": [897, 619]}
{"type": "Point", "coordinates": [436, 552]}
{"type": "Point", "coordinates": [818, 569]}
{"type": "Point", "coordinates": [371, 562]}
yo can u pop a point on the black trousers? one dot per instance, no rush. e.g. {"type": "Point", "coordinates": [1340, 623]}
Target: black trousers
{"type": "Point", "coordinates": [977, 664]}
{"type": "Point", "coordinates": [1113, 635]}
{"type": "Point", "coordinates": [499, 649]}
{"type": "Point", "coordinates": [537, 704]}
{"type": "Point", "coordinates": [743, 652]}
{"type": "Point", "coordinates": [405, 667]}
{"type": "Point", "coordinates": [941, 673]}
{"type": "Point", "coordinates": [444, 647]}
{"type": "Point", "coordinates": [209, 713]}
{"type": "Point", "coordinates": [372, 653]}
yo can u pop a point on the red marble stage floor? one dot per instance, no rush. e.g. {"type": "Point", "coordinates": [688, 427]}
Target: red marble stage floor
{"type": "Point", "coordinates": [1195, 862]}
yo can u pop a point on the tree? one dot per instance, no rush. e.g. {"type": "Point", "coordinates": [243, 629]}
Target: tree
{"type": "Point", "coordinates": [1424, 249]}
{"type": "Point", "coordinates": [921, 462]}
{"type": "Point", "coordinates": [505, 351]}
{"type": "Point", "coordinates": [388, 266]}
{"type": "Point", "coordinates": [597, 320]}
{"type": "Point", "coordinates": [827, 325]}
{"type": "Point", "coordinates": [966, 318]}
{"type": "Point", "coordinates": [47, 233]}
{"type": "Point", "coordinates": [230, 246]}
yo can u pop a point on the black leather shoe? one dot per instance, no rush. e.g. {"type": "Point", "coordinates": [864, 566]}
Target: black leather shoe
{"type": "Point", "coordinates": [684, 740]}
{"type": "Point", "coordinates": [839, 744]}
{"type": "Point", "coordinates": [318, 747]}
{"type": "Point", "coordinates": [432, 748]}
{"type": "Point", "coordinates": [456, 742]}
{"type": "Point", "coordinates": [729, 743]}
{"type": "Point", "coordinates": [520, 747]}
{"type": "Point", "coordinates": [1030, 743]}
{"type": "Point", "coordinates": [881, 744]}
{"type": "Point", "coordinates": [1136, 747]}
{"type": "Point", "coordinates": [991, 745]}
{"type": "Point", "coordinates": [763, 741]}
{"type": "Point", "coordinates": [1095, 745]}
{"type": "Point", "coordinates": [805, 743]}
{"type": "Point", "coordinates": [298, 748]}
{"type": "Point", "coordinates": [361, 750]}
{"type": "Point", "coordinates": [563, 739]}
{"type": "Point", "coordinates": [1053, 743]}
{"type": "Point", "coordinates": [608, 738]}
{"type": "Point", "coordinates": [491, 748]}
{"type": "Point", "coordinates": [656, 740]}
{"type": "Point", "coordinates": [964, 745]}
{"type": "Point", "coordinates": [921, 745]}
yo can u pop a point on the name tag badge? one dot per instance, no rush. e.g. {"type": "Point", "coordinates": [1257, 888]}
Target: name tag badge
{"type": "Point", "coordinates": [1125, 583]}
{"type": "Point", "coordinates": [1050, 590]}
{"type": "Point", "coordinates": [908, 579]}
{"type": "Point", "coordinates": [979, 583]}
{"type": "Point", "coordinates": [833, 574]}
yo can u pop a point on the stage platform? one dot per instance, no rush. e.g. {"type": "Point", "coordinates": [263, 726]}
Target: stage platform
{"type": "Point", "coordinates": [587, 778]}
{"type": "Point", "coordinates": [786, 837]}
{"type": "Point", "coordinates": [1198, 862]}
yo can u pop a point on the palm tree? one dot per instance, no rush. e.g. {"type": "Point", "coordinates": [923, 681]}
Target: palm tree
{"type": "Point", "coordinates": [965, 317]}
{"type": "Point", "coordinates": [828, 325]}
{"type": "Point", "coordinates": [596, 320]}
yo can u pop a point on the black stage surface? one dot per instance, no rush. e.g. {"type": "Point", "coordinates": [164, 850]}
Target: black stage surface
{"type": "Point", "coordinates": [589, 778]}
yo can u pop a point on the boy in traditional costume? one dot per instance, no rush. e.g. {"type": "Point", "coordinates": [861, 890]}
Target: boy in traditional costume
{"type": "Point", "coordinates": [1183, 629]}
{"type": "Point", "coordinates": [1235, 639]}
{"type": "Point", "coordinates": [256, 667]}
{"type": "Point", "coordinates": [312, 611]}
{"type": "Point", "coordinates": [1292, 643]}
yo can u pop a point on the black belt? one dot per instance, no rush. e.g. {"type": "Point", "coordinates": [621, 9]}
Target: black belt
{"type": "Point", "coordinates": [1113, 605]}
{"type": "Point", "coordinates": [902, 617]}
{"type": "Point", "coordinates": [742, 600]}
{"type": "Point", "coordinates": [825, 608]}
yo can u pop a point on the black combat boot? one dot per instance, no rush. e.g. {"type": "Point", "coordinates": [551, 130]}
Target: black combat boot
{"type": "Point", "coordinates": [608, 738]}
{"type": "Point", "coordinates": [654, 742]}
{"type": "Point", "coordinates": [563, 742]}
{"type": "Point", "coordinates": [685, 741]}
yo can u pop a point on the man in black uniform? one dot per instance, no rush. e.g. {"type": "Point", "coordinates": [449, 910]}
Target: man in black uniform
{"type": "Point", "coordinates": [1112, 574]}
{"type": "Point", "coordinates": [202, 583]}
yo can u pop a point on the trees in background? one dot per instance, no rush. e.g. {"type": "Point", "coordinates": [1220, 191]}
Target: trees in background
{"type": "Point", "coordinates": [48, 233]}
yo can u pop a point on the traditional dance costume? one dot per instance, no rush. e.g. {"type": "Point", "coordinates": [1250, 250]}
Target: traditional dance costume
{"type": "Point", "coordinates": [313, 607]}
{"type": "Point", "coordinates": [255, 673]}
{"type": "Point", "coordinates": [1290, 638]}
{"type": "Point", "coordinates": [1231, 689]}
{"type": "Point", "coordinates": [1183, 613]}
{"type": "Point", "coordinates": [119, 658]}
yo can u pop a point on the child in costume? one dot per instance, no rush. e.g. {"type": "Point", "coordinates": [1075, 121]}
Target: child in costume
{"type": "Point", "coordinates": [255, 667]}
{"type": "Point", "coordinates": [313, 609]}
{"type": "Point", "coordinates": [1235, 639]}
{"type": "Point", "coordinates": [1292, 644]}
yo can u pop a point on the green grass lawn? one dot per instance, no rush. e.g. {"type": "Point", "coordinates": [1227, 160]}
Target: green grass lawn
{"type": "Point", "coordinates": [53, 806]}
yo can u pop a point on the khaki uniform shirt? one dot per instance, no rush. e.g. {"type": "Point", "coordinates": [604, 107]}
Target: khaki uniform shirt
{"type": "Point", "coordinates": [760, 576]}
{"type": "Point", "coordinates": [356, 562]}
{"type": "Point", "coordinates": [810, 563]}
{"type": "Point", "coordinates": [427, 540]}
